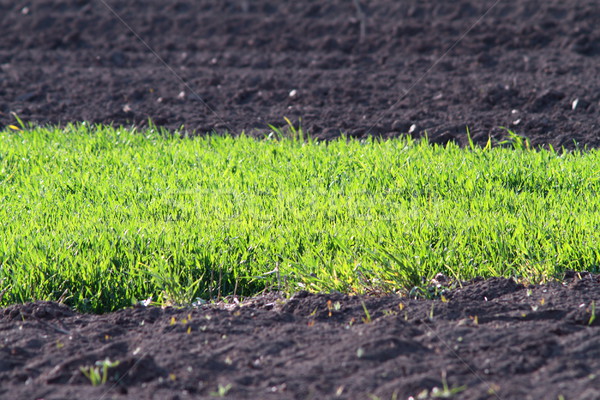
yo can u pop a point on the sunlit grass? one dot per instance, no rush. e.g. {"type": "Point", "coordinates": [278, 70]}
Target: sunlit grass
{"type": "Point", "coordinates": [105, 217]}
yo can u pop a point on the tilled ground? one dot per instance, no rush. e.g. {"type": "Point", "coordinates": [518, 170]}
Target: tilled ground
{"type": "Point", "coordinates": [231, 65]}
{"type": "Point", "coordinates": [490, 339]}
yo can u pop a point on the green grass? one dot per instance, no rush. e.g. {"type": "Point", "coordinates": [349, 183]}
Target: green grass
{"type": "Point", "coordinates": [105, 217]}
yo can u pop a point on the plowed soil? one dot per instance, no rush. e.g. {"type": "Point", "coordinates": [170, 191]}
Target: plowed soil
{"type": "Point", "coordinates": [491, 339]}
{"type": "Point", "coordinates": [223, 65]}
{"type": "Point", "coordinates": [419, 66]}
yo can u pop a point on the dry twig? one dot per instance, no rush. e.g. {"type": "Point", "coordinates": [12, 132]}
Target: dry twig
{"type": "Point", "coordinates": [362, 17]}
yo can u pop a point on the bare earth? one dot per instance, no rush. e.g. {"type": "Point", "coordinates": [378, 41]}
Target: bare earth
{"type": "Point", "coordinates": [492, 339]}
{"type": "Point", "coordinates": [531, 66]}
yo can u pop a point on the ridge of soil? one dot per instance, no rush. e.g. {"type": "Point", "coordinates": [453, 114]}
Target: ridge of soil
{"type": "Point", "coordinates": [423, 66]}
{"type": "Point", "coordinates": [490, 339]}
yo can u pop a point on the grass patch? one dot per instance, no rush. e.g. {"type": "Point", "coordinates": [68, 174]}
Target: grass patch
{"type": "Point", "coordinates": [103, 217]}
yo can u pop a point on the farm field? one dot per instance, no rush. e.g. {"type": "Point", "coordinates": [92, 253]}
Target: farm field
{"type": "Point", "coordinates": [319, 199]}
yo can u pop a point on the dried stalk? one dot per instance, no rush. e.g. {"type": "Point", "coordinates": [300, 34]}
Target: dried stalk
{"type": "Point", "coordinates": [362, 17]}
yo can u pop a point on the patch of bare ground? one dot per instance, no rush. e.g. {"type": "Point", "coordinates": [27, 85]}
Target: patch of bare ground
{"type": "Point", "coordinates": [489, 339]}
{"type": "Point", "coordinates": [378, 67]}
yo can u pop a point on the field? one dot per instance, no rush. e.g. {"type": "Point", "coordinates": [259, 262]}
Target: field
{"type": "Point", "coordinates": [342, 199]}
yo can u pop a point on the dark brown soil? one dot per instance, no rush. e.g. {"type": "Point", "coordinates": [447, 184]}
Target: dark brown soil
{"type": "Point", "coordinates": [532, 66]}
{"type": "Point", "coordinates": [493, 339]}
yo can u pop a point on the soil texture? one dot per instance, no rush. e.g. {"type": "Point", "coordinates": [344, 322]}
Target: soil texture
{"type": "Point", "coordinates": [377, 67]}
{"type": "Point", "coordinates": [490, 339]}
